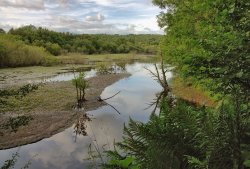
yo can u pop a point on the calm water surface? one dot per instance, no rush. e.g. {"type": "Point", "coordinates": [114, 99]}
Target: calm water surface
{"type": "Point", "coordinates": [65, 150]}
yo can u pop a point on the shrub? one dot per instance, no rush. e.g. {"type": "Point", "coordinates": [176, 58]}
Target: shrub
{"type": "Point", "coordinates": [53, 48]}
{"type": "Point", "coordinates": [14, 53]}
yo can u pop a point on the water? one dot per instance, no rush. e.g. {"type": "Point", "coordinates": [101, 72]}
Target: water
{"type": "Point", "coordinates": [64, 77]}
{"type": "Point", "coordinates": [65, 150]}
{"type": "Point", "coordinates": [70, 75]}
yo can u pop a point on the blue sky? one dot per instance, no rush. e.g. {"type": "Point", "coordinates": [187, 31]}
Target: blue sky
{"type": "Point", "coordinates": [82, 16]}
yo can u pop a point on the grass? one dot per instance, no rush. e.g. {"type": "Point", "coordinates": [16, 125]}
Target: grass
{"type": "Point", "coordinates": [49, 97]}
{"type": "Point", "coordinates": [76, 58]}
{"type": "Point", "coordinates": [187, 91]}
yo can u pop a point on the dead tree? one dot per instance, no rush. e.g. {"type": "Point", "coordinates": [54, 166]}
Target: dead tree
{"type": "Point", "coordinates": [160, 77]}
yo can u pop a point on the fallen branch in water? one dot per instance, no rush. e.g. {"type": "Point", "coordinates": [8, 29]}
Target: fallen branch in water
{"type": "Point", "coordinates": [100, 99]}
{"type": "Point", "coordinates": [114, 108]}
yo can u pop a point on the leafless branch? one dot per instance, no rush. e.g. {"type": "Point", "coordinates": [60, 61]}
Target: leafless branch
{"type": "Point", "coordinates": [114, 108]}
{"type": "Point", "coordinates": [100, 99]}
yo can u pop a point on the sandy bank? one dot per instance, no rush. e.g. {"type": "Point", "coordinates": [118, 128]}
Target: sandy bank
{"type": "Point", "coordinates": [51, 109]}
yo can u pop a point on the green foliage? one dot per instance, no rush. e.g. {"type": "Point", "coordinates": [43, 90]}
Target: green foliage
{"type": "Point", "coordinates": [165, 139]}
{"type": "Point", "coordinates": [50, 61]}
{"type": "Point", "coordinates": [28, 45]}
{"type": "Point", "coordinates": [80, 81]}
{"type": "Point", "coordinates": [15, 122]}
{"type": "Point", "coordinates": [80, 84]}
{"type": "Point", "coordinates": [13, 53]}
{"type": "Point", "coordinates": [54, 49]}
{"type": "Point", "coordinates": [103, 68]}
{"type": "Point", "coordinates": [125, 163]}
{"type": "Point", "coordinates": [119, 162]}
{"type": "Point", "coordinates": [184, 136]}
{"type": "Point", "coordinates": [22, 91]}
{"type": "Point", "coordinates": [208, 40]}
{"type": "Point", "coordinates": [56, 42]}
{"type": "Point", "coordinates": [19, 93]}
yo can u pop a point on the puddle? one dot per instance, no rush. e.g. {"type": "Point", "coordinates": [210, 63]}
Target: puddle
{"type": "Point", "coordinates": [67, 76]}
{"type": "Point", "coordinates": [65, 150]}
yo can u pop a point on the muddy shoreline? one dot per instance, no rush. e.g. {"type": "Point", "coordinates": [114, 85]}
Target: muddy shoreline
{"type": "Point", "coordinates": [51, 118]}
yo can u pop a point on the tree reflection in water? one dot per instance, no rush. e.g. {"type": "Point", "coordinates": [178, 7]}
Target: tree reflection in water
{"type": "Point", "coordinates": [80, 126]}
{"type": "Point", "coordinates": [106, 68]}
{"type": "Point", "coordinates": [165, 95]}
{"type": "Point", "coordinates": [11, 163]}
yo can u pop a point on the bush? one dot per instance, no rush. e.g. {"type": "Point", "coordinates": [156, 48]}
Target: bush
{"type": "Point", "coordinates": [14, 53]}
{"type": "Point", "coordinates": [53, 48]}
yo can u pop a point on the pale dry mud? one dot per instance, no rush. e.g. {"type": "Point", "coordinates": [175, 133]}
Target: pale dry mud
{"type": "Point", "coordinates": [54, 119]}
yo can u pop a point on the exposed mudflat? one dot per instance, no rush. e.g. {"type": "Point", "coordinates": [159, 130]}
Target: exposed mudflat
{"type": "Point", "coordinates": [22, 75]}
{"type": "Point", "coordinates": [51, 108]}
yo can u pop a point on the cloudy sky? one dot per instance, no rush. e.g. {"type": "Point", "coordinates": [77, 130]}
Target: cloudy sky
{"type": "Point", "coordinates": [82, 16]}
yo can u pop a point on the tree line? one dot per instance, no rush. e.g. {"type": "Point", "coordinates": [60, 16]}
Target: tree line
{"type": "Point", "coordinates": [59, 42]}
{"type": "Point", "coordinates": [29, 45]}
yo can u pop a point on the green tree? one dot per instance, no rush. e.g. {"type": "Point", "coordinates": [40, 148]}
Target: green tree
{"type": "Point", "coordinates": [90, 43]}
{"type": "Point", "coordinates": [209, 42]}
{"type": "Point", "coordinates": [54, 49]}
{"type": "Point", "coordinates": [2, 31]}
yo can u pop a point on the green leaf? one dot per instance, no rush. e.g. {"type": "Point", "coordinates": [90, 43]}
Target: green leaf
{"type": "Point", "coordinates": [247, 163]}
{"type": "Point", "coordinates": [239, 74]}
{"type": "Point", "coordinates": [125, 163]}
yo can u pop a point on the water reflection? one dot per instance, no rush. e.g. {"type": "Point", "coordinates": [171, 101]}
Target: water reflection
{"type": "Point", "coordinates": [80, 125]}
{"type": "Point", "coordinates": [63, 150]}
{"type": "Point", "coordinates": [107, 68]}
{"type": "Point", "coordinates": [69, 76]}
{"type": "Point", "coordinates": [102, 68]}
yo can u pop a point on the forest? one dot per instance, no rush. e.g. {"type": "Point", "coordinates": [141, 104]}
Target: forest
{"type": "Point", "coordinates": [37, 46]}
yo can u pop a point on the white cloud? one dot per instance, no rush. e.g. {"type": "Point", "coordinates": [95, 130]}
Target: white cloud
{"type": "Point", "coordinates": [27, 4]}
{"type": "Point", "coordinates": [82, 16]}
{"type": "Point", "coordinates": [97, 17]}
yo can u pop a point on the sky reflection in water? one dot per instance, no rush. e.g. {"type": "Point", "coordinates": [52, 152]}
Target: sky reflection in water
{"type": "Point", "coordinates": [62, 151]}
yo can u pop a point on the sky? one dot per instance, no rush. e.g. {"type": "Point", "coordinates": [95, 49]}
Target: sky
{"type": "Point", "coordinates": [82, 16]}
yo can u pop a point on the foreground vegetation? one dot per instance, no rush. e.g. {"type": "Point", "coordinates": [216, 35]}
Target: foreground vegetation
{"type": "Point", "coordinates": [208, 42]}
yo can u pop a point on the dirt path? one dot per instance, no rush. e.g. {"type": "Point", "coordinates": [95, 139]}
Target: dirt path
{"type": "Point", "coordinates": [51, 109]}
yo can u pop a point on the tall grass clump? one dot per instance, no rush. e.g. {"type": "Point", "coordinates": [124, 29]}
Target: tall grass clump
{"type": "Point", "coordinates": [80, 84]}
{"type": "Point", "coordinates": [15, 53]}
